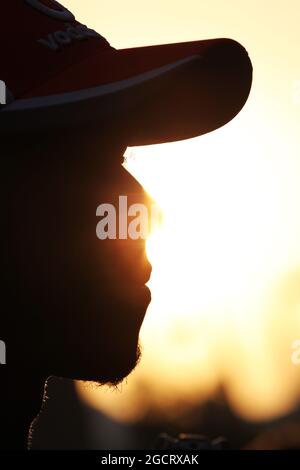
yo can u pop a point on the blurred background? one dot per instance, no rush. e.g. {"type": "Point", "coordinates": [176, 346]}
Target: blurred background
{"type": "Point", "coordinates": [217, 338]}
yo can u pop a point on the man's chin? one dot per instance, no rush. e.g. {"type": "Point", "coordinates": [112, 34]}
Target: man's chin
{"type": "Point", "coordinates": [117, 375]}
{"type": "Point", "coordinates": [112, 372]}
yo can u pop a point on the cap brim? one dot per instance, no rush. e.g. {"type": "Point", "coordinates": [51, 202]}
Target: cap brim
{"type": "Point", "coordinates": [205, 91]}
{"type": "Point", "coordinates": [156, 94]}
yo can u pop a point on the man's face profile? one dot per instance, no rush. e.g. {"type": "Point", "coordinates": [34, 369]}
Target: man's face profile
{"type": "Point", "coordinates": [87, 297]}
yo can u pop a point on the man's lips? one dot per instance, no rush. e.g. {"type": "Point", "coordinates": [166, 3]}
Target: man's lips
{"type": "Point", "coordinates": [130, 286]}
{"type": "Point", "coordinates": [139, 297]}
{"type": "Point", "coordinates": [138, 294]}
{"type": "Point", "coordinates": [147, 293]}
{"type": "Point", "coordinates": [143, 299]}
{"type": "Point", "coordinates": [147, 274]}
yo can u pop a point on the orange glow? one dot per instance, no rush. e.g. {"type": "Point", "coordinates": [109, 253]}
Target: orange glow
{"type": "Point", "coordinates": [226, 261]}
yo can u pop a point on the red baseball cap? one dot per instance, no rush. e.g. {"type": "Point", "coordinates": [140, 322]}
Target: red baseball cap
{"type": "Point", "coordinates": [60, 73]}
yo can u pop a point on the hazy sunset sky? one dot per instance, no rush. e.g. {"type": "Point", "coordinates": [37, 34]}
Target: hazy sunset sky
{"type": "Point", "coordinates": [226, 267]}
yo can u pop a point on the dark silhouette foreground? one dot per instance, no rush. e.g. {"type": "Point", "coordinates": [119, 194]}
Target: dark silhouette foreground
{"type": "Point", "coordinates": [72, 305]}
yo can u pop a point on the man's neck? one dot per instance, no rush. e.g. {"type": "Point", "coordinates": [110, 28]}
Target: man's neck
{"type": "Point", "coordinates": [21, 395]}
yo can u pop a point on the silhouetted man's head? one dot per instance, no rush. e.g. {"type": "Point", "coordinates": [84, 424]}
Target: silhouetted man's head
{"type": "Point", "coordinates": [74, 304]}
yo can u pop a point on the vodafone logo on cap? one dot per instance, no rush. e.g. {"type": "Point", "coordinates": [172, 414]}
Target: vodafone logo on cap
{"type": "Point", "coordinates": [69, 33]}
{"type": "Point", "coordinates": [61, 13]}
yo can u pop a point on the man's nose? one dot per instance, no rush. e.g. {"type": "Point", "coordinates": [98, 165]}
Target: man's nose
{"type": "Point", "coordinates": [137, 216]}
